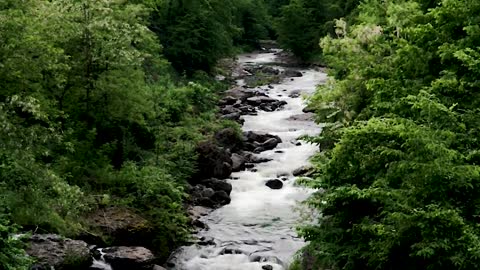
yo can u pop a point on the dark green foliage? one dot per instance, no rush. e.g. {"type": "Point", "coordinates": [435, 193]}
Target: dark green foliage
{"type": "Point", "coordinates": [12, 255]}
{"type": "Point", "coordinates": [196, 34]}
{"type": "Point", "coordinates": [92, 115]}
{"type": "Point", "coordinates": [302, 23]}
{"type": "Point", "coordinates": [400, 168]}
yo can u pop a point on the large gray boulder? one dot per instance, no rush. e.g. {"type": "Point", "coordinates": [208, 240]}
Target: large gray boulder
{"type": "Point", "coordinates": [54, 251]}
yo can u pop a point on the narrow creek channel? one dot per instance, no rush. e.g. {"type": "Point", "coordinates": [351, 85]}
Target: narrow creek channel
{"type": "Point", "coordinates": [257, 229]}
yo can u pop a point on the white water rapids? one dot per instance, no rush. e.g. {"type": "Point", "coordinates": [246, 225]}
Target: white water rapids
{"type": "Point", "coordinates": [260, 221]}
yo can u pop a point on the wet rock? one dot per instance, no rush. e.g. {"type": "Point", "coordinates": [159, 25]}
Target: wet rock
{"type": "Point", "coordinates": [199, 224]}
{"type": "Point", "coordinates": [54, 251]}
{"type": "Point", "coordinates": [270, 143]}
{"type": "Point", "coordinates": [279, 152]}
{"type": "Point", "coordinates": [302, 171]}
{"type": "Point", "coordinates": [122, 225]}
{"type": "Point", "coordinates": [158, 267]}
{"type": "Point", "coordinates": [258, 100]}
{"type": "Point", "coordinates": [274, 184]}
{"type": "Point", "coordinates": [267, 267]}
{"type": "Point", "coordinates": [249, 165]}
{"type": "Point", "coordinates": [212, 161]}
{"type": "Point", "coordinates": [129, 258]}
{"type": "Point", "coordinates": [231, 251]}
{"type": "Point", "coordinates": [238, 162]}
{"type": "Point", "coordinates": [221, 197]}
{"type": "Point", "coordinates": [292, 73]}
{"type": "Point", "coordinates": [256, 139]}
{"type": "Point", "coordinates": [270, 107]}
{"type": "Point", "coordinates": [218, 185]}
{"type": "Point", "coordinates": [206, 241]}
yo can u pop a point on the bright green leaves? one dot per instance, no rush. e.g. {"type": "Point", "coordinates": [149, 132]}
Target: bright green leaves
{"type": "Point", "coordinates": [400, 177]}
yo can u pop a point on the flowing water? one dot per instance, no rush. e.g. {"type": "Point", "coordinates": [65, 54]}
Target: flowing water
{"type": "Point", "coordinates": [258, 227]}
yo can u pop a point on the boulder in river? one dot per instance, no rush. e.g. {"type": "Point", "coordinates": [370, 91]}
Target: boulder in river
{"type": "Point", "coordinates": [54, 251]}
{"type": "Point", "coordinates": [238, 162]}
{"type": "Point", "coordinates": [258, 138]}
{"type": "Point", "coordinates": [129, 258]}
{"type": "Point", "coordinates": [274, 184]}
{"type": "Point", "coordinates": [270, 144]}
{"type": "Point", "coordinates": [221, 197]}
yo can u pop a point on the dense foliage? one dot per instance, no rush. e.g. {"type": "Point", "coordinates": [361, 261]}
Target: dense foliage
{"type": "Point", "coordinates": [196, 34]}
{"type": "Point", "coordinates": [93, 115]}
{"type": "Point", "coordinates": [301, 23]}
{"type": "Point", "coordinates": [399, 169]}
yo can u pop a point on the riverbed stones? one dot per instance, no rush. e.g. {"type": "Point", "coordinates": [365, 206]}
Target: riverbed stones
{"type": "Point", "coordinates": [54, 251]}
{"type": "Point", "coordinates": [129, 258]}
{"type": "Point", "coordinates": [274, 184]}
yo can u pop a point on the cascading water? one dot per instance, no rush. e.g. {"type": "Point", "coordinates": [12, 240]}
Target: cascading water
{"type": "Point", "coordinates": [257, 228]}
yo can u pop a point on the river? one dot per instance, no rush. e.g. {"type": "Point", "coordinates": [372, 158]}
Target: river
{"type": "Point", "coordinates": [257, 229]}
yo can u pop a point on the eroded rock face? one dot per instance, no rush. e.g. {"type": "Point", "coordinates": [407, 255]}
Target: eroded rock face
{"type": "Point", "coordinates": [129, 258]}
{"type": "Point", "coordinates": [51, 250]}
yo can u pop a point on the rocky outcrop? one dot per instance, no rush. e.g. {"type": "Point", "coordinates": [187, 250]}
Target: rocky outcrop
{"type": "Point", "coordinates": [54, 251]}
{"type": "Point", "coordinates": [213, 161]}
{"type": "Point", "coordinates": [122, 226]}
{"type": "Point", "coordinates": [129, 258]}
{"type": "Point", "coordinates": [229, 139]}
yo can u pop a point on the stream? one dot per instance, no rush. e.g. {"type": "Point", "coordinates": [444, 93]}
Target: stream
{"type": "Point", "coordinates": [257, 229]}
